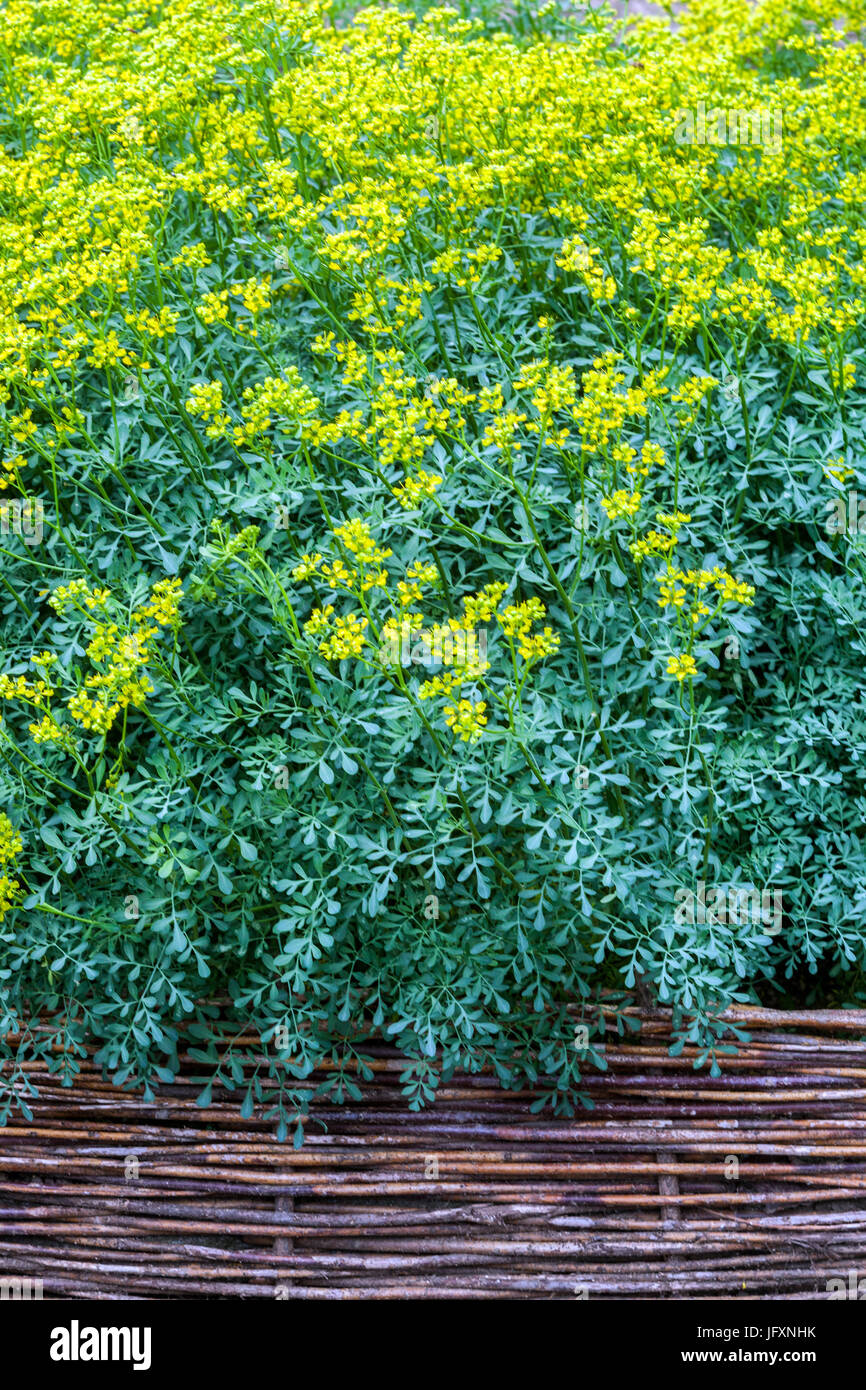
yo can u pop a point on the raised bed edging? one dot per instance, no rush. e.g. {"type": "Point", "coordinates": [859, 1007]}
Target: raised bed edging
{"type": "Point", "coordinates": [678, 1184]}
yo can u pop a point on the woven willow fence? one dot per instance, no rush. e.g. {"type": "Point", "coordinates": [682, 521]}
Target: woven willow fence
{"type": "Point", "coordinates": [677, 1184]}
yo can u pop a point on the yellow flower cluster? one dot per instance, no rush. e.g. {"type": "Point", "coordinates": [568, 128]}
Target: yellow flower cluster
{"type": "Point", "coordinates": [835, 468]}
{"type": "Point", "coordinates": [682, 668]}
{"type": "Point", "coordinates": [148, 325]}
{"type": "Point", "coordinates": [110, 352]}
{"type": "Point", "coordinates": [120, 650]}
{"type": "Point", "coordinates": [480, 607]}
{"type": "Point", "coordinates": [404, 634]}
{"type": "Point", "coordinates": [659, 542]}
{"type": "Point", "coordinates": [78, 594]}
{"type": "Point", "coordinates": [399, 200]}
{"type": "Point", "coordinates": [10, 469]}
{"type": "Point", "coordinates": [584, 261]}
{"type": "Point", "coordinates": [604, 408]}
{"type": "Point", "coordinates": [10, 841]}
{"type": "Point", "coordinates": [357, 537]}
{"type": "Point", "coordinates": [690, 394]}
{"type": "Point", "coordinates": [213, 307]}
{"type": "Point", "coordinates": [416, 487]}
{"type": "Point", "coordinates": [675, 584]}
{"type": "Point", "coordinates": [686, 591]}
{"type": "Point", "coordinates": [20, 688]}
{"type": "Point", "coordinates": [285, 398]}
{"type": "Point", "coordinates": [681, 259]}
{"type": "Point", "coordinates": [10, 847]}
{"type": "Point", "coordinates": [467, 718]}
{"type": "Point", "coordinates": [255, 294]}
{"type": "Point", "coordinates": [346, 638]}
{"type": "Point", "coordinates": [516, 622]}
{"type": "Point", "coordinates": [621, 504]}
{"type": "Point", "coordinates": [206, 403]}
{"type": "Point", "coordinates": [193, 257]}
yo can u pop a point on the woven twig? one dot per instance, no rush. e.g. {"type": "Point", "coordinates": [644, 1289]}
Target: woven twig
{"type": "Point", "coordinates": [677, 1184]}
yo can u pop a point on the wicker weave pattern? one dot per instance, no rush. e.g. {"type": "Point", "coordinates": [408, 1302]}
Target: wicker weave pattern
{"type": "Point", "coordinates": [629, 1200]}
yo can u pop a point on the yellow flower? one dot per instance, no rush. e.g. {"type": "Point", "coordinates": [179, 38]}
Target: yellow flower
{"type": "Point", "coordinates": [10, 841]}
{"type": "Point", "coordinates": [307, 566]}
{"type": "Point", "coordinates": [319, 619]}
{"type": "Point", "coordinates": [205, 402]}
{"type": "Point", "coordinates": [193, 257]}
{"type": "Point", "coordinates": [347, 639]}
{"type": "Point", "coordinates": [338, 575]}
{"type": "Point", "coordinates": [408, 594]}
{"type": "Point", "coordinates": [164, 604]}
{"type": "Point", "coordinates": [416, 487]}
{"type": "Point", "coordinates": [104, 641]}
{"type": "Point", "coordinates": [480, 607]}
{"type": "Point", "coordinates": [731, 590]}
{"type": "Point", "coordinates": [682, 667]}
{"type": "Point", "coordinates": [534, 646]}
{"type": "Point", "coordinates": [48, 731]}
{"type": "Point", "coordinates": [837, 469]}
{"type": "Point", "coordinates": [9, 891]}
{"type": "Point", "coordinates": [467, 719]}
{"type": "Point", "coordinates": [97, 716]}
{"type": "Point", "coordinates": [77, 594]}
{"type": "Point", "coordinates": [653, 543]}
{"type": "Point", "coordinates": [517, 619]}
{"type": "Point", "coordinates": [358, 540]}
{"type": "Point", "coordinates": [673, 595]}
{"type": "Point", "coordinates": [423, 572]}
{"type": "Point", "coordinates": [621, 503]}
